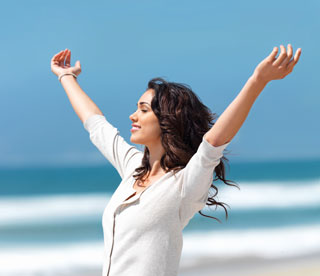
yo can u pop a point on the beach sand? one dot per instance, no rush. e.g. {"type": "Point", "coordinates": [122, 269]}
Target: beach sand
{"type": "Point", "coordinates": [308, 265]}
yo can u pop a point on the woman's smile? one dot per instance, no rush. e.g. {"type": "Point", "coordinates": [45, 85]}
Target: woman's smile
{"type": "Point", "coordinates": [135, 127]}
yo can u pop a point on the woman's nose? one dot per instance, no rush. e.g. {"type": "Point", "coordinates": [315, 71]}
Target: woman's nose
{"type": "Point", "coordinates": [132, 116]}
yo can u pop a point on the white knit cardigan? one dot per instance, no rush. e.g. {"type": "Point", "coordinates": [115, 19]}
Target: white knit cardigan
{"type": "Point", "coordinates": [143, 235]}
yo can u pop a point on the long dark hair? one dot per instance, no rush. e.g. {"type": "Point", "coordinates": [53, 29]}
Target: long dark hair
{"type": "Point", "coordinates": [183, 120]}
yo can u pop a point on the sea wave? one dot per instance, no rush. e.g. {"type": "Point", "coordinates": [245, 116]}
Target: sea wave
{"type": "Point", "coordinates": [280, 242]}
{"type": "Point", "coordinates": [51, 208]}
{"type": "Point", "coordinates": [271, 194]}
{"type": "Point", "coordinates": [82, 207]}
{"type": "Point", "coordinates": [49, 260]}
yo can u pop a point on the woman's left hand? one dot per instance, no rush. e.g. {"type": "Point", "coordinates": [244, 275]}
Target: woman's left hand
{"type": "Point", "coordinates": [272, 68]}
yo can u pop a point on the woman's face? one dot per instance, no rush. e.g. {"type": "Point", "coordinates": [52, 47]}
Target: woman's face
{"type": "Point", "coordinates": [148, 130]}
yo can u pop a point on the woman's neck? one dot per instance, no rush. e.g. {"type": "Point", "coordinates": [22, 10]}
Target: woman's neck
{"type": "Point", "coordinates": [155, 154]}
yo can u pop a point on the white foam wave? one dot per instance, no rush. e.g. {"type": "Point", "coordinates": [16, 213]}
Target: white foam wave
{"type": "Point", "coordinates": [271, 194]}
{"type": "Point", "coordinates": [265, 243]}
{"type": "Point", "coordinates": [46, 209]}
{"type": "Point", "coordinates": [51, 260]}
{"type": "Point", "coordinates": [50, 209]}
{"type": "Point", "coordinates": [67, 259]}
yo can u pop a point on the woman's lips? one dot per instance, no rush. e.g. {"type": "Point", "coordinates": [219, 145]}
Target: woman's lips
{"type": "Point", "coordinates": [134, 129]}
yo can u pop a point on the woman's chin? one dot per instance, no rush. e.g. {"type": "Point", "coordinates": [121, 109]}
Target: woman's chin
{"type": "Point", "coordinates": [133, 140]}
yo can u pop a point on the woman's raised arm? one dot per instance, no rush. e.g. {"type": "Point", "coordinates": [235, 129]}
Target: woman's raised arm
{"type": "Point", "coordinates": [80, 101]}
{"type": "Point", "coordinates": [271, 68]}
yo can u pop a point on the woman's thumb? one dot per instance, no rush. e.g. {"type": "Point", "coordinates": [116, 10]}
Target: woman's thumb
{"type": "Point", "coordinates": [78, 64]}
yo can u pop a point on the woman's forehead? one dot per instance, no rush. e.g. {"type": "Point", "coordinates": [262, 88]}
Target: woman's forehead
{"type": "Point", "coordinates": [147, 96]}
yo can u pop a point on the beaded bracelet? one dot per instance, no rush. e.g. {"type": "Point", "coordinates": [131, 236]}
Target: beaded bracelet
{"type": "Point", "coordinates": [64, 74]}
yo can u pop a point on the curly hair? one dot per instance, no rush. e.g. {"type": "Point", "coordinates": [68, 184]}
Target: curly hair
{"type": "Point", "coordinates": [183, 120]}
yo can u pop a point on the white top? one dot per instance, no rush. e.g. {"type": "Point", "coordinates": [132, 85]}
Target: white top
{"type": "Point", "coordinates": [143, 235]}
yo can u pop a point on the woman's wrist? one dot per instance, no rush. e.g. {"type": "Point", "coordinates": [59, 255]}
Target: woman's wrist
{"type": "Point", "coordinates": [258, 79]}
{"type": "Point", "coordinates": [67, 76]}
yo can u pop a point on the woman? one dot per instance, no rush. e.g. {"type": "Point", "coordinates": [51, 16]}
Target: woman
{"type": "Point", "coordinates": [164, 186]}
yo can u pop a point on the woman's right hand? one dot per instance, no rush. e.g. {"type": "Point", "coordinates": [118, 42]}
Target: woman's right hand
{"type": "Point", "coordinates": [272, 68]}
{"type": "Point", "coordinates": [60, 63]}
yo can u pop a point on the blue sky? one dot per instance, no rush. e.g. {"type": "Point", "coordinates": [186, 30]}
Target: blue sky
{"type": "Point", "coordinates": [213, 46]}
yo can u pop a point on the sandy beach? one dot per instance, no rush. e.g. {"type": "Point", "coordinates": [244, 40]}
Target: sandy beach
{"type": "Point", "coordinates": [308, 265]}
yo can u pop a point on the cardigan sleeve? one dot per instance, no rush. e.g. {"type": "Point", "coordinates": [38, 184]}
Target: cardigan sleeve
{"type": "Point", "coordinates": [124, 157]}
{"type": "Point", "coordinates": [198, 177]}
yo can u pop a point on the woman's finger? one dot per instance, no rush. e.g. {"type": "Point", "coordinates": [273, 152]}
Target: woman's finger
{"type": "Point", "coordinates": [77, 64]}
{"type": "Point", "coordinates": [68, 58]}
{"type": "Point", "coordinates": [297, 56]}
{"type": "Point", "coordinates": [59, 58]}
{"type": "Point", "coordinates": [281, 57]}
{"type": "Point", "coordinates": [56, 57]}
{"type": "Point", "coordinates": [289, 56]}
{"type": "Point", "coordinates": [295, 60]}
{"type": "Point", "coordinates": [273, 54]}
{"type": "Point", "coordinates": [63, 56]}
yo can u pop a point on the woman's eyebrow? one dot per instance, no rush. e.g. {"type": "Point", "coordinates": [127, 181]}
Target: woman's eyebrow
{"type": "Point", "coordinates": [141, 103]}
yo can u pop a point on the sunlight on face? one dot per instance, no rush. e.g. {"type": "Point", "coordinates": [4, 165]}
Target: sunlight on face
{"type": "Point", "coordinates": [148, 129]}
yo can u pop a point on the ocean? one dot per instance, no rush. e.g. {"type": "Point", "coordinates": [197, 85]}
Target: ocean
{"type": "Point", "coordinates": [50, 218]}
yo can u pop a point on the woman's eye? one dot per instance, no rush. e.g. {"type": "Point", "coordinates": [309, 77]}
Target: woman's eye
{"type": "Point", "coordinates": [144, 110]}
